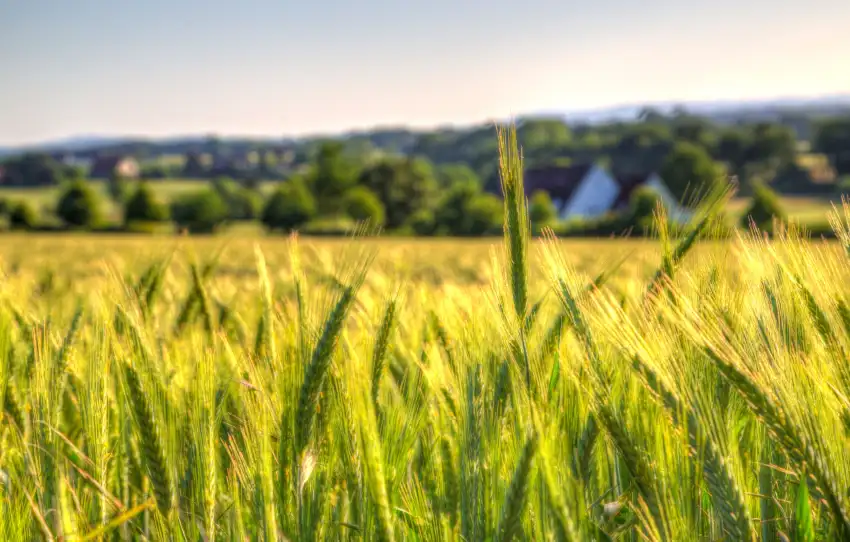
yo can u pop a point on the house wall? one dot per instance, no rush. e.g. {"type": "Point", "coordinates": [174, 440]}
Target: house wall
{"type": "Point", "coordinates": [676, 212]}
{"type": "Point", "coordinates": [594, 196]}
{"type": "Point", "coordinates": [128, 168]}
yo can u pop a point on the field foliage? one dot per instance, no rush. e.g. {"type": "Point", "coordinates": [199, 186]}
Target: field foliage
{"type": "Point", "coordinates": [527, 392]}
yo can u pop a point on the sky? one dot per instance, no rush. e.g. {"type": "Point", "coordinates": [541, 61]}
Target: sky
{"type": "Point", "coordinates": [283, 68]}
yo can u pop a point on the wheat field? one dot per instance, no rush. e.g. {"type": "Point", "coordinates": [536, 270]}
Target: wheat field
{"type": "Point", "coordinates": [367, 389]}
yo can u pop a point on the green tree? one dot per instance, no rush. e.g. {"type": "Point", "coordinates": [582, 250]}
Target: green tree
{"type": "Point", "coordinates": [363, 205]}
{"type": "Point", "coordinates": [541, 210]}
{"type": "Point", "coordinates": [404, 186]}
{"type": "Point", "coordinates": [193, 166]}
{"type": "Point", "coordinates": [422, 222]}
{"type": "Point", "coordinates": [242, 203]}
{"type": "Point", "coordinates": [451, 174]}
{"type": "Point", "coordinates": [23, 216]}
{"type": "Point", "coordinates": [693, 129]}
{"type": "Point", "coordinates": [465, 210]}
{"type": "Point", "coordinates": [119, 188]}
{"type": "Point", "coordinates": [32, 169]}
{"type": "Point", "coordinates": [290, 207]}
{"type": "Point", "coordinates": [79, 206]}
{"type": "Point", "coordinates": [451, 216]}
{"type": "Point", "coordinates": [144, 206]}
{"type": "Point", "coordinates": [485, 214]}
{"type": "Point", "coordinates": [202, 212]}
{"type": "Point", "coordinates": [73, 173]}
{"type": "Point", "coordinates": [689, 169]}
{"type": "Point", "coordinates": [833, 139]}
{"type": "Point", "coordinates": [642, 205]}
{"type": "Point", "coordinates": [541, 132]}
{"type": "Point", "coordinates": [733, 148]}
{"type": "Point", "coordinates": [772, 144]}
{"type": "Point", "coordinates": [332, 175]}
{"type": "Point", "coordinates": [764, 208]}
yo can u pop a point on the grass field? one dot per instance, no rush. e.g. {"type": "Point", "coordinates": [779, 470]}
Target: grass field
{"type": "Point", "coordinates": [244, 388]}
{"type": "Point", "coordinates": [801, 208]}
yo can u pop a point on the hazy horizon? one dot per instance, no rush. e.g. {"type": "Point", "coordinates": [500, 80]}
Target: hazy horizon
{"type": "Point", "coordinates": [265, 68]}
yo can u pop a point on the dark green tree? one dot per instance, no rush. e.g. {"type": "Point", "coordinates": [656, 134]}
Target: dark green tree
{"type": "Point", "coordinates": [23, 216]}
{"type": "Point", "coordinates": [32, 169]}
{"type": "Point", "coordinates": [404, 186]}
{"type": "Point", "coordinates": [642, 205]}
{"type": "Point", "coordinates": [764, 208]}
{"type": "Point", "coordinates": [693, 129]}
{"type": "Point", "coordinates": [465, 210]}
{"type": "Point", "coordinates": [541, 210]}
{"type": "Point", "coordinates": [363, 205]}
{"type": "Point", "coordinates": [332, 175]}
{"type": "Point", "coordinates": [451, 216]}
{"type": "Point", "coordinates": [242, 202]}
{"type": "Point", "coordinates": [422, 222]}
{"type": "Point", "coordinates": [144, 206]}
{"type": "Point", "coordinates": [689, 169]}
{"type": "Point", "coordinates": [733, 147]}
{"type": "Point", "coordinates": [73, 173]}
{"type": "Point", "coordinates": [832, 138]}
{"type": "Point", "coordinates": [485, 214]}
{"type": "Point", "coordinates": [194, 166]}
{"type": "Point", "coordinates": [771, 144]}
{"type": "Point", "coordinates": [451, 174]}
{"type": "Point", "coordinates": [539, 135]}
{"type": "Point", "coordinates": [79, 206]}
{"type": "Point", "coordinates": [202, 212]}
{"type": "Point", "coordinates": [119, 188]}
{"type": "Point", "coordinates": [290, 207]}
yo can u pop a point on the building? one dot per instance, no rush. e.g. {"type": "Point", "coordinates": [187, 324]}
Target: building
{"type": "Point", "coordinates": [589, 190]}
{"type": "Point", "coordinates": [585, 190]}
{"type": "Point", "coordinates": [676, 212]}
{"type": "Point", "coordinates": [123, 166]}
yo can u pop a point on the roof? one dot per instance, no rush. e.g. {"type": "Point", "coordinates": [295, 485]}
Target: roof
{"type": "Point", "coordinates": [559, 181]}
{"type": "Point", "coordinates": [104, 166]}
{"type": "Point", "coordinates": [628, 184]}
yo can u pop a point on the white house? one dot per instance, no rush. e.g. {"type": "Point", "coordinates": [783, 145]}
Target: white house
{"type": "Point", "coordinates": [582, 190]}
{"type": "Point", "coordinates": [676, 212]}
{"type": "Point", "coordinates": [589, 190]}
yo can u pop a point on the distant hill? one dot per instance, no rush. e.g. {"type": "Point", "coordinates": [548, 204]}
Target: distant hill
{"type": "Point", "coordinates": [726, 111]}
{"type": "Point", "coordinates": [795, 111]}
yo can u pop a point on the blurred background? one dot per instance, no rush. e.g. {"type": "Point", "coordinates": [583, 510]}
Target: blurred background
{"type": "Point", "coordinates": [275, 115]}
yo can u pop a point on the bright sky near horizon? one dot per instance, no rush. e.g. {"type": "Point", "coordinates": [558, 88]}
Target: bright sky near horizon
{"type": "Point", "coordinates": [279, 67]}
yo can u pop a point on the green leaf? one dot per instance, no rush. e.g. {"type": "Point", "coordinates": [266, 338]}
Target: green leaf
{"type": "Point", "coordinates": [803, 527]}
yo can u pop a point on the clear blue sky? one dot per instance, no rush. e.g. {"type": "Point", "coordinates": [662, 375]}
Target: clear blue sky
{"type": "Point", "coordinates": [279, 67]}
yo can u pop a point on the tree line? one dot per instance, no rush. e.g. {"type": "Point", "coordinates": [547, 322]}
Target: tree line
{"type": "Point", "coordinates": [762, 150]}
{"type": "Point", "coordinates": [399, 194]}
{"type": "Point", "coordinates": [441, 182]}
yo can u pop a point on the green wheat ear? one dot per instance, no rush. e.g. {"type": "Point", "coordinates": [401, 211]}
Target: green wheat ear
{"type": "Point", "coordinates": [149, 438]}
{"type": "Point", "coordinates": [789, 436]}
{"type": "Point", "coordinates": [725, 494]}
{"type": "Point", "coordinates": [382, 342]}
{"type": "Point", "coordinates": [516, 217]}
{"type": "Point", "coordinates": [510, 524]}
{"type": "Point", "coordinates": [320, 361]}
